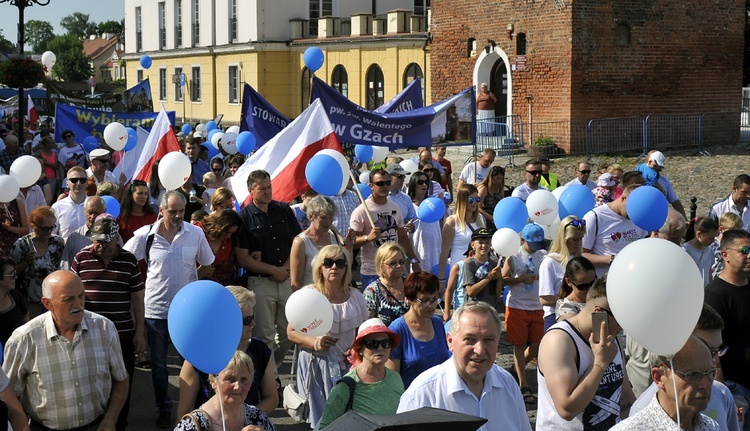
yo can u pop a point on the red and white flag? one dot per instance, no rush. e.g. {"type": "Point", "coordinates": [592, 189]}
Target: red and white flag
{"type": "Point", "coordinates": [160, 141]}
{"type": "Point", "coordinates": [286, 155]}
{"type": "Point", "coordinates": [31, 111]}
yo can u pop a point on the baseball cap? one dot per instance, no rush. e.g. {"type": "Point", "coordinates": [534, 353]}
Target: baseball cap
{"type": "Point", "coordinates": [104, 229]}
{"type": "Point", "coordinates": [605, 180]}
{"type": "Point", "coordinates": [482, 232]}
{"type": "Point", "coordinates": [198, 135]}
{"type": "Point", "coordinates": [97, 153]}
{"type": "Point", "coordinates": [395, 168]}
{"type": "Point", "coordinates": [658, 158]}
{"type": "Point", "coordinates": [533, 234]}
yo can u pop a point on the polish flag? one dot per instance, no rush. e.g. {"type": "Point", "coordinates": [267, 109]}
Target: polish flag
{"type": "Point", "coordinates": [286, 155]}
{"type": "Point", "coordinates": [31, 111]}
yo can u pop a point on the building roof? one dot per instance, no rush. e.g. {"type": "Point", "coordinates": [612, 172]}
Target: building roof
{"type": "Point", "coordinates": [99, 46]}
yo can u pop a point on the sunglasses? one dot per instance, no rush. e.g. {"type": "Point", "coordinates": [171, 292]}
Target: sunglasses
{"type": "Point", "coordinates": [102, 160]}
{"type": "Point", "coordinates": [745, 249]}
{"type": "Point", "coordinates": [584, 286]}
{"type": "Point", "coordinates": [247, 321]}
{"type": "Point", "coordinates": [498, 170]}
{"type": "Point", "coordinates": [216, 169]}
{"type": "Point", "coordinates": [427, 171]}
{"type": "Point", "coordinates": [578, 224]}
{"type": "Point", "coordinates": [399, 176]}
{"type": "Point", "coordinates": [374, 344]}
{"type": "Point", "coordinates": [534, 173]}
{"type": "Point", "coordinates": [585, 172]}
{"type": "Point", "coordinates": [694, 376]}
{"type": "Point", "coordinates": [474, 200]}
{"type": "Point", "coordinates": [422, 182]}
{"type": "Point", "coordinates": [328, 263]}
{"type": "Point", "coordinates": [77, 180]}
{"type": "Point", "coordinates": [384, 183]}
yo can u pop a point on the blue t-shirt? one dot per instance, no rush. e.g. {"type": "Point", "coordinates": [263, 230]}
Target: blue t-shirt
{"type": "Point", "coordinates": [417, 356]}
{"type": "Point", "coordinates": [650, 175]}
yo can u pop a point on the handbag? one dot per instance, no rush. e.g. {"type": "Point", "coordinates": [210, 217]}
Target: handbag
{"type": "Point", "coordinates": [295, 404]}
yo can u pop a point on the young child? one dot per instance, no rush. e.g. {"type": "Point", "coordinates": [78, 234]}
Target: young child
{"type": "Point", "coordinates": [700, 247]}
{"type": "Point", "coordinates": [727, 221]}
{"type": "Point", "coordinates": [209, 182]}
{"type": "Point", "coordinates": [478, 287]}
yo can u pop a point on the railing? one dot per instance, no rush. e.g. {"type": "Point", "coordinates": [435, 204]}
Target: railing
{"type": "Point", "coordinates": [612, 135]}
{"type": "Point", "coordinates": [663, 132]}
{"type": "Point", "coordinates": [503, 134]}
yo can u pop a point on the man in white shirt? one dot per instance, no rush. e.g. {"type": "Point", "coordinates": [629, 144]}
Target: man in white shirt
{"type": "Point", "coordinates": [99, 167]}
{"type": "Point", "coordinates": [533, 176]}
{"type": "Point", "coordinates": [469, 382]}
{"type": "Point", "coordinates": [737, 202]}
{"type": "Point", "coordinates": [69, 211]}
{"type": "Point", "coordinates": [475, 172]}
{"type": "Point", "coordinates": [403, 200]}
{"type": "Point", "coordinates": [583, 172]}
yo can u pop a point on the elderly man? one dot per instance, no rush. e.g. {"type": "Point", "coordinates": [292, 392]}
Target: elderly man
{"type": "Point", "coordinates": [533, 176]}
{"type": "Point", "coordinates": [99, 166]}
{"type": "Point", "coordinates": [737, 202]}
{"type": "Point", "coordinates": [171, 248]}
{"type": "Point", "coordinates": [80, 238]}
{"type": "Point", "coordinates": [673, 229]}
{"type": "Point", "coordinates": [11, 152]}
{"type": "Point", "coordinates": [69, 211]}
{"type": "Point", "coordinates": [470, 382]}
{"type": "Point", "coordinates": [114, 289]}
{"type": "Point", "coordinates": [583, 171]}
{"type": "Point", "coordinates": [691, 374]}
{"type": "Point", "coordinates": [582, 383]}
{"type": "Point", "coordinates": [475, 172]}
{"type": "Point", "coordinates": [66, 365]}
{"type": "Point", "coordinates": [652, 173]}
{"type": "Point", "coordinates": [608, 231]}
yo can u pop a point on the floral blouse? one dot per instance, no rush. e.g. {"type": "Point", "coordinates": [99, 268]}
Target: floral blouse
{"type": "Point", "coordinates": [30, 280]}
{"type": "Point", "coordinates": [198, 420]}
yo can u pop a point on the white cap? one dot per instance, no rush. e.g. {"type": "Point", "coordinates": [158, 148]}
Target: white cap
{"type": "Point", "coordinates": [198, 135]}
{"type": "Point", "coordinates": [97, 153]}
{"type": "Point", "coordinates": [658, 158]}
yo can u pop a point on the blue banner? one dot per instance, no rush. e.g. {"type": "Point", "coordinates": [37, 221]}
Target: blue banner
{"type": "Point", "coordinates": [441, 122]}
{"type": "Point", "coordinates": [138, 98]}
{"type": "Point", "coordinates": [408, 99]}
{"type": "Point", "coordinates": [259, 117]}
{"type": "Point", "coordinates": [89, 122]}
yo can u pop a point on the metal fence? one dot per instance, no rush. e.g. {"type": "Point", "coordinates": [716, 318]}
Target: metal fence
{"type": "Point", "coordinates": [662, 132]}
{"type": "Point", "coordinates": [503, 134]}
{"type": "Point", "coordinates": [613, 135]}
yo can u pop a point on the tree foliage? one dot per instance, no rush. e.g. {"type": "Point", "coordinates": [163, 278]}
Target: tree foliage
{"type": "Point", "coordinates": [112, 27]}
{"type": "Point", "coordinates": [78, 24]}
{"type": "Point", "coordinates": [72, 64]}
{"type": "Point", "coordinates": [6, 46]}
{"type": "Point", "coordinates": [38, 34]}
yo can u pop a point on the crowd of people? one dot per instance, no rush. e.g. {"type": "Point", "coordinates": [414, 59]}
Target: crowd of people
{"type": "Point", "coordinates": [417, 305]}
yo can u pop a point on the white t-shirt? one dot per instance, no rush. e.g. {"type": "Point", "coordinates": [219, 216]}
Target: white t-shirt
{"type": "Point", "coordinates": [525, 296]}
{"type": "Point", "coordinates": [522, 191]}
{"type": "Point", "coordinates": [607, 233]}
{"type": "Point", "coordinates": [576, 182]}
{"type": "Point", "coordinates": [551, 273]}
{"type": "Point", "coordinates": [467, 174]}
{"type": "Point", "coordinates": [75, 153]}
{"type": "Point", "coordinates": [387, 217]}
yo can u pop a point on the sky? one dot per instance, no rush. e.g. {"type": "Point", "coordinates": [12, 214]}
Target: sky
{"type": "Point", "coordinates": [98, 10]}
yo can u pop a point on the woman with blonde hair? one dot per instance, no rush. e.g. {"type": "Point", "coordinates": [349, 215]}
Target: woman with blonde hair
{"type": "Point", "coordinates": [458, 227]}
{"type": "Point", "coordinates": [491, 190]}
{"type": "Point", "coordinates": [567, 243]}
{"type": "Point", "coordinates": [727, 221]}
{"type": "Point", "coordinates": [222, 199]}
{"type": "Point", "coordinates": [321, 359]}
{"type": "Point", "coordinates": [385, 296]}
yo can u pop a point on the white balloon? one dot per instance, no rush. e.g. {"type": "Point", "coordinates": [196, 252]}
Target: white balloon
{"type": "Point", "coordinates": [655, 291]}
{"type": "Point", "coordinates": [49, 59]}
{"type": "Point", "coordinates": [229, 143]}
{"type": "Point", "coordinates": [309, 312]}
{"type": "Point", "coordinates": [505, 241]}
{"type": "Point", "coordinates": [201, 128]}
{"type": "Point", "coordinates": [379, 154]}
{"type": "Point", "coordinates": [174, 170]}
{"type": "Point", "coordinates": [116, 136]}
{"type": "Point", "coordinates": [26, 170]}
{"type": "Point", "coordinates": [8, 188]}
{"type": "Point", "coordinates": [364, 177]}
{"type": "Point", "coordinates": [558, 191]}
{"type": "Point", "coordinates": [215, 138]}
{"type": "Point", "coordinates": [342, 162]}
{"type": "Point", "coordinates": [410, 167]}
{"type": "Point", "coordinates": [234, 129]}
{"type": "Point", "coordinates": [551, 230]}
{"type": "Point", "coordinates": [542, 206]}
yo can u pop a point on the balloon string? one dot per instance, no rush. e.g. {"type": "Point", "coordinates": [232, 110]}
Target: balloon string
{"type": "Point", "coordinates": [674, 386]}
{"type": "Point", "coordinates": [221, 406]}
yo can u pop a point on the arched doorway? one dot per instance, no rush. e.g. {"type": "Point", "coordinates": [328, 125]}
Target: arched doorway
{"type": "Point", "coordinates": [494, 68]}
{"type": "Point", "coordinates": [499, 78]}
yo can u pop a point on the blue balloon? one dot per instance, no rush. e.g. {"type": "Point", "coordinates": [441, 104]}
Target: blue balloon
{"type": "Point", "coordinates": [435, 270]}
{"type": "Point", "coordinates": [363, 153]}
{"type": "Point", "coordinates": [313, 58]}
{"type": "Point", "coordinates": [212, 151]}
{"type": "Point", "coordinates": [90, 143]}
{"type": "Point", "coordinates": [511, 212]}
{"type": "Point", "coordinates": [187, 128]}
{"type": "Point", "coordinates": [211, 135]}
{"type": "Point", "coordinates": [647, 207]}
{"type": "Point", "coordinates": [113, 206]}
{"type": "Point", "coordinates": [145, 61]}
{"type": "Point", "coordinates": [205, 324]}
{"type": "Point", "coordinates": [431, 210]}
{"type": "Point", "coordinates": [324, 174]}
{"type": "Point", "coordinates": [245, 143]}
{"type": "Point", "coordinates": [576, 200]}
{"type": "Point", "coordinates": [132, 139]}
{"type": "Point", "coordinates": [211, 125]}
{"type": "Point", "coordinates": [365, 190]}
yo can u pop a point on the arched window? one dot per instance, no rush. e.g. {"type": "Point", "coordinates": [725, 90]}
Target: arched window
{"type": "Point", "coordinates": [305, 86]}
{"type": "Point", "coordinates": [375, 87]}
{"type": "Point", "coordinates": [340, 80]}
{"type": "Point", "coordinates": [622, 35]}
{"type": "Point", "coordinates": [413, 71]}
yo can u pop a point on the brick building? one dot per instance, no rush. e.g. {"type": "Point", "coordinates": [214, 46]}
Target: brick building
{"type": "Point", "coordinates": [574, 61]}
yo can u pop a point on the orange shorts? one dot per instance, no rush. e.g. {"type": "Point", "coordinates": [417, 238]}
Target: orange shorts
{"type": "Point", "coordinates": [523, 326]}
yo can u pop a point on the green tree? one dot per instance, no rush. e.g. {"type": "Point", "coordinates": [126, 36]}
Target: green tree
{"type": "Point", "coordinates": [78, 24]}
{"type": "Point", "coordinates": [6, 46]}
{"type": "Point", "coordinates": [38, 34]}
{"type": "Point", "coordinates": [72, 64]}
{"type": "Point", "coordinates": [112, 27]}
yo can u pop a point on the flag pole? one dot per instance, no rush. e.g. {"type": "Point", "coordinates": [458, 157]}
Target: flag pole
{"type": "Point", "coordinates": [361, 198]}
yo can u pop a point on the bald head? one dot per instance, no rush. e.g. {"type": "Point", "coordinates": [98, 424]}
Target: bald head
{"type": "Point", "coordinates": [57, 280]}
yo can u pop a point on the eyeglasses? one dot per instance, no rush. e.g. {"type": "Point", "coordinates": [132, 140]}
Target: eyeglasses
{"type": "Point", "coordinates": [578, 224]}
{"type": "Point", "coordinates": [77, 180]}
{"type": "Point", "coordinates": [11, 275]}
{"type": "Point", "coordinates": [328, 263]}
{"type": "Point", "coordinates": [498, 170]}
{"type": "Point", "coordinates": [693, 377]}
{"type": "Point", "coordinates": [745, 249]}
{"type": "Point", "coordinates": [428, 170]}
{"type": "Point", "coordinates": [720, 351]}
{"type": "Point", "coordinates": [216, 169]}
{"type": "Point", "coordinates": [247, 321]}
{"type": "Point", "coordinates": [422, 182]}
{"type": "Point", "coordinates": [396, 263]}
{"type": "Point", "coordinates": [427, 302]}
{"type": "Point", "coordinates": [534, 173]}
{"type": "Point", "coordinates": [46, 228]}
{"type": "Point", "coordinates": [474, 200]}
{"type": "Point", "coordinates": [585, 286]}
{"type": "Point", "coordinates": [384, 183]}
{"type": "Point", "coordinates": [374, 344]}
{"type": "Point", "coordinates": [585, 171]}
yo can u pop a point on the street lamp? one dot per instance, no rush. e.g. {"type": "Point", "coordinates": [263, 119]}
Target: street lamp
{"type": "Point", "coordinates": [22, 5]}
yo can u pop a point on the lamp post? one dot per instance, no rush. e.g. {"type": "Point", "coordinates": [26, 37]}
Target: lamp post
{"type": "Point", "coordinates": [22, 5]}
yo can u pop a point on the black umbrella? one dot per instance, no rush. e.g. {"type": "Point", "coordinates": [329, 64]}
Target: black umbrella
{"type": "Point", "coordinates": [424, 419]}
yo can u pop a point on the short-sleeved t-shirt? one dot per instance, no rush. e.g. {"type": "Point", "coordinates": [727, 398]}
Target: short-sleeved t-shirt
{"type": "Point", "coordinates": [525, 296]}
{"type": "Point", "coordinates": [488, 293]}
{"type": "Point", "coordinates": [733, 304]}
{"type": "Point", "coordinates": [467, 174]}
{"type": "Point", "coordinates": [417, 356]}
{"type": "Point", "coordinates": [607, 233]}
{"type": "Point", "coordinates": [387, 217]}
